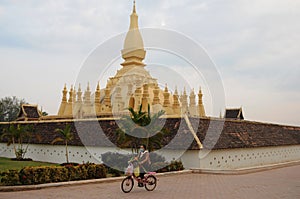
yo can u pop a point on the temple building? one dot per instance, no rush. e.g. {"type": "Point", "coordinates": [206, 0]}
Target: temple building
{"type": "Point", "coordinates": [132, 86]}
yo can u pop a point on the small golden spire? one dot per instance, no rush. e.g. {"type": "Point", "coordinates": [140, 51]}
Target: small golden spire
{"type": "Point", "coordinates": [200, 104]}
{"type": "Point", "coordinates": [200, 90]}
{"type": "Point", "coordinates": [97, 94]}
{"type": "Point", "coordinates": [134, 9]}
{"type": "Point", "coordinates": [166, 88]}
{"type": "Point", "coordinates": [87, 94]}
{"type": "Point", "coordinates": [192, 98]}
{"type": "Point", "coordinates": [71, 95]}
{"type": "Point", "coordinates": [176, 91]}
{"type": "Point", "coordinates": [88, 87]}
{"type": "Point", "coordinates": [176, 99]}
{"type": "Point", "coordinates": [98, 86]}
{"type": "Point", "coordinates": [79, 94]}
{"type": "Point", "coordinates": [65, 92]}
{"type": "Point", "coordinates": [184, 91]}
{"type": "Point", "coordinates": [166, 97]}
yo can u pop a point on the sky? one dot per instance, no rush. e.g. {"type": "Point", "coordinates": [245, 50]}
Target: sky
{"type": "Point", "coordinates": [255, 46]}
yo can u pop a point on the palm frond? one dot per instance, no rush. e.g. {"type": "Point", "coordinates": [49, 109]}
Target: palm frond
{"type": "Point", "coordinates": [58, 139]}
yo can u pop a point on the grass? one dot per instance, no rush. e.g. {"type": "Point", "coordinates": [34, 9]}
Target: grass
{"type": "Point", "coordinates": [8, 164]}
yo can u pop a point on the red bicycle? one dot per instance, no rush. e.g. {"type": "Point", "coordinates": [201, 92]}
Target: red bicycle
{"type": "Point", "coordinates": [149, 181]}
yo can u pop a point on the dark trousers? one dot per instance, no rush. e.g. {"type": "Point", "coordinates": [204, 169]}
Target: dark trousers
{"type": "Point", "coordinates": [144, 169]}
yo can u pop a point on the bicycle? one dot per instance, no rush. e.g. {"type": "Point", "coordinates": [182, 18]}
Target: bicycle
{"type": "Point", "coordinates": [149, 181]}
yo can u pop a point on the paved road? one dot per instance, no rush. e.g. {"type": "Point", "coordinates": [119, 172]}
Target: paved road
{"type": "Point", "coordinates": [278, 183]}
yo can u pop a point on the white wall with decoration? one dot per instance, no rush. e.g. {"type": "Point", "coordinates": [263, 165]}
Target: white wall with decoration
{"type": "Point", "coordinates": [225, 159]}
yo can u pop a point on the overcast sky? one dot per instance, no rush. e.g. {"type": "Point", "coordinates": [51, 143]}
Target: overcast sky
{"type": "Point", "coordinates": [255, 45]}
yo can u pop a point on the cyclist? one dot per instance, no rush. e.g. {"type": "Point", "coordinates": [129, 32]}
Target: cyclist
{"type": "Point", "coordinates": [144, 161]}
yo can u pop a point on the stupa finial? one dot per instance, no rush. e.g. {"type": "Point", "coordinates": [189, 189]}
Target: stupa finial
{"type": "Point", "coordinates": [133, 51]}
{"type": "Point", "coordinates": [134, 8]}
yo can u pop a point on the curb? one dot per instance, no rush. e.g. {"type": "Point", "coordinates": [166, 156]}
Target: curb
{"type": "Point", "coordinates": [116, 179]}
{"type": "Point", "coordinates": [82, 182]}
{"type": "Point", "coordinates": [246, 170]}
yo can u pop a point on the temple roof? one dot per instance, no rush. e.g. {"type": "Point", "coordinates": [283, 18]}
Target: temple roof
{"type": "Point", "coordinates": [233, 133]}
{"type": "Point", "coordinates": [246, 134]}
{"type": "Point", "coordinates": [29, 112]}
{"type": "Point", "coordinates": [236, 113]}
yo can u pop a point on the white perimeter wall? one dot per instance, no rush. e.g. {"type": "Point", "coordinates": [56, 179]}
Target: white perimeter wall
{"type": "Point", "coordinates": [57, 153]}
{"type": "Point", "coordinates": [229, 159]}
{"type": "Point", "coordinates": [232, 159]}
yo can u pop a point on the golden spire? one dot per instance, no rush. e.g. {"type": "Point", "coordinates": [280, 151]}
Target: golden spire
{"type": "Point", "coordinates": [166, 97]}
{"type": "Point", "coordinates": [184, 102]}
{"type": "Point", "coordinates": [71, 95]}
{"type": "Point", "coordinates": [134, 9]}
{"type": "Point", "coordinates": [200, 95]}
{"type": "Point", "coordinates": [74, 94]}
{"type": "Point", "coordinates": [176, 99]}
{"type": "Point", "coordinates": [200, 104]}
{"type": "Point", "coordinates": [65, 92]}
{"type": "Point", "coordinates": [133, 51]}
{"type": "Point", "coordinates": [98, 87]}
{"type": "Point", "coordinates": [79, 94]}
{"type": "Point", "coordinates": [87, 95]}
{"type": "Point", "coordinates": [192, 98]}
{"type": "Point", "coordinates": [97, 94]}
{"type": "Point", "coordinates": [134, 19]}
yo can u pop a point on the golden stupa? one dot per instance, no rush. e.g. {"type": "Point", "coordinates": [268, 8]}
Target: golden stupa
{"type": "Point", "coordinates": [132, 86]}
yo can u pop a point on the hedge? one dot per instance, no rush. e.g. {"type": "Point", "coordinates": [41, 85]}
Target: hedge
{"type": "Point", "coordinates": [161, 167]}
{"type": "Point", "coordinates": [46, 174]}
{"type": "Point", "coordinates": [116, 163]}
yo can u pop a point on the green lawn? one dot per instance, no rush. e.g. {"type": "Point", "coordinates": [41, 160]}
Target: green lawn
{"type": "Point", "coordinates": [7, 164]}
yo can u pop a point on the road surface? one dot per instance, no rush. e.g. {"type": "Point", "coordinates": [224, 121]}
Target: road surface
{"type": "Point", "coordinates": [278, 183]}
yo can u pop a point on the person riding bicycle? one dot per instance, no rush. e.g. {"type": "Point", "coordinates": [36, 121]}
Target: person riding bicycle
{"type": "Point", "coordinates": [144, 161]}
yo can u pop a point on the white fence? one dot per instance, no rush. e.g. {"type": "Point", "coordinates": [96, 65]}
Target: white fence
{"type": "Point", "coordinates": [232, 159]}
{"type": "Point", "coordinates": [227, 159]}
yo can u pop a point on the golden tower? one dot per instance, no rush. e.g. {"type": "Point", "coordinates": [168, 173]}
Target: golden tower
{"type": "Point", "coordinates": [132, 86]}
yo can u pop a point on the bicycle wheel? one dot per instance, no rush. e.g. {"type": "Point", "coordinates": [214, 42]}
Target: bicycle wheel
{"type": "Point", "coordinates": [127, 184]}
{"type": "Point", "coordinates": [150, 183]}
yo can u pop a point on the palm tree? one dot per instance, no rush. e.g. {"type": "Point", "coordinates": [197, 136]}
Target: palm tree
{"type": "Point", "coordinates": [16, 135]}
{"type": "Point", "coordinates": [66, 136]}
{"type": "Point", "coordinates": [140, 124]}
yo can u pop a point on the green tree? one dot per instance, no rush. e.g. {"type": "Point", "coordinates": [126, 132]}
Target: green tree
{"type": "Point", "coordinates": [140, 128]}
{"type": "Point", "coordinates": [10, 108]}
{"type": "Point", "coordinates": [17, 135]}
{"type": "Point", "coordinates": [66, 135]}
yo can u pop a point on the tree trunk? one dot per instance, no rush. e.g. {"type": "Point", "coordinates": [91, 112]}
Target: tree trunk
{"type": "Point", "coordinates": [67, 152]}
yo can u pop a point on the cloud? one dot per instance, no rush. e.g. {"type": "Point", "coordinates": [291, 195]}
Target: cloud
{"type": "Point", "coordinates": [255, 45]}
{"type": "Point", "coordinates": [57, 25]}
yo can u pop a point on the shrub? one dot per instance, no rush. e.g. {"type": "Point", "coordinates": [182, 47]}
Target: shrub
{"type": "Point", "coordinates": [40, 175]}
{"type": "Point", "coordinates": [176, 166]}
{"type": "Point", "coordinates": [59, 174]}
{"type": "Point", "coordinates": [73, 173]}
{"type": "Point", "coordinates": [116, 163]}
{"type": "Point", "coordinates": [116, 160]}
{"type": "Point", "coordinates": [161, 167]}
{"type": "Point", "coordinates": [154, 157]}
{"type": "Point", "coordinates": [10, 177]}
{"type": "Point", "coordinates": [100, 171]}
